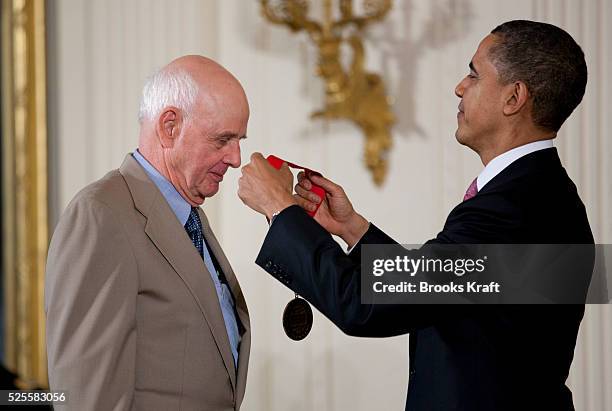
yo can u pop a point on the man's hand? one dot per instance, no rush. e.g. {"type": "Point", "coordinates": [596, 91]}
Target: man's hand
{"type": "Point", "coordinates": [265, 189]}
{"type": "Point", "coordinates": [336, 213]}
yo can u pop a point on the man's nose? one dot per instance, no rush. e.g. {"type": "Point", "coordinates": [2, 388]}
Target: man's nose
{"type": "Point", "coordinates": [459, 89]}
{"type": "Point", "coordinates": [232, 157]}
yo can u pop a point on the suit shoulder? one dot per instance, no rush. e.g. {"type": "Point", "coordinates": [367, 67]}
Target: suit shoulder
{"type": "Point", "coordinates": [111, 191]}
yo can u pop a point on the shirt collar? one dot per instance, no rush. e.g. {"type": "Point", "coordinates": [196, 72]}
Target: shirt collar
{"type": "Point", "coordinates": [177, 203]}
{"type": "Point", "coordinates": [499, 163]}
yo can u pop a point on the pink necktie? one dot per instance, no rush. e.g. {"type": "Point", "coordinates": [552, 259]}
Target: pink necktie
{"type": "Point", "coordinates": [471, 191]}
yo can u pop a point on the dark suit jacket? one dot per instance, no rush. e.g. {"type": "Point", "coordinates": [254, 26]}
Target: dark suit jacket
{"type": "Point", "coordinates": [467, 357]}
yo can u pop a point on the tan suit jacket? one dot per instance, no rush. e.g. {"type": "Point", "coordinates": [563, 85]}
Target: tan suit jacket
{"type": "Point", "coordinates": [133, 318]}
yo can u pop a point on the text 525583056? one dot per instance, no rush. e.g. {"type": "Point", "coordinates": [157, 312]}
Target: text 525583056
{"type": "Point", "coordinates": [32, 397]}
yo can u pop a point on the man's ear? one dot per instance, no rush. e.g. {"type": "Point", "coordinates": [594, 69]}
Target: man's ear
{"type": "Point", "coordinates": [516, 97]}
{"type": "Point", "coordinates": [169, 125]}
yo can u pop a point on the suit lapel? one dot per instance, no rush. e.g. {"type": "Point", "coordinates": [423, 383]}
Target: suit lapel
{"type": "Point", "coordinates": [170, 238]}
{"type": "Point", "coordinates": [241, 307]}
{"type": "Point", "coordinates": [223, 262]}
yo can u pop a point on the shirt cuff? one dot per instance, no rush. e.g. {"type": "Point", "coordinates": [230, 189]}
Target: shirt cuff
{"type": "Point", "coordinates": [350, 250]}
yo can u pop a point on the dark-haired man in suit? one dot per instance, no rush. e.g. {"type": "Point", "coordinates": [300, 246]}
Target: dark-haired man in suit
{"type": "Point", "coordinates": [525, 79]}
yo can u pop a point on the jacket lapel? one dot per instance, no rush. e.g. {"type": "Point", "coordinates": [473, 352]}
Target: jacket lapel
{"type": "Point", "coordinates": [241, 307]}
{"type": "Point", "coordinates": [171, 239]}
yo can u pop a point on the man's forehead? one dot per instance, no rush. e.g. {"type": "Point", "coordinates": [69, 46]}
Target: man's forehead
{"type": "Point", "coordinates": [213, 100]}
{"type": "Point", "coordinates": [483, 48]}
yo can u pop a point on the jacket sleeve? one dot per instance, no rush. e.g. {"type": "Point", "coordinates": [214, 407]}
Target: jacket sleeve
{"type": "Point", "coordinates": [303, 256]}
{"type": "Point", "coordinates": [91, 287]}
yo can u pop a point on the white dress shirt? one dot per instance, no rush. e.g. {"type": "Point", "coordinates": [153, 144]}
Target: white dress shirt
{"type": "Point", "coordinates": [499, 163]}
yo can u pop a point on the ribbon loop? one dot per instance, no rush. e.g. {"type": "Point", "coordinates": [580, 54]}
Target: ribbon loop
{"type": "Point", "coordinates": [318, 190]}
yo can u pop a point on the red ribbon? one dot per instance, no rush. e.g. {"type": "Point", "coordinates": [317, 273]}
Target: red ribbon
{"type": "Point", "coordinates": [319, 191]}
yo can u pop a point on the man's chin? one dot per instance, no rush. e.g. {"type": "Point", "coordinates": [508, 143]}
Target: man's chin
{"type": "Point", "coordinates": [211, 189]}
{"type": "Point", "coordinates": [461, 139]}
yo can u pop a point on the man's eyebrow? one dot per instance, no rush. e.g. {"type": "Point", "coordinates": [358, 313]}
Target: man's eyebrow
{"type": "Point", "coordinates": [229, 134]}
{"type": "Point", "coordinates": [473, 68]}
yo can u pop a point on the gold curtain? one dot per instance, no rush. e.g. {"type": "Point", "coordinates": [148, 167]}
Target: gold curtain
{"type": "Point", "coordinates": [24, 187]}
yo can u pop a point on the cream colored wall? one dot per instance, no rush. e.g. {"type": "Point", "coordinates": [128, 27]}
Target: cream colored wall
{"type": "Point", "coordinates": [102, 51]}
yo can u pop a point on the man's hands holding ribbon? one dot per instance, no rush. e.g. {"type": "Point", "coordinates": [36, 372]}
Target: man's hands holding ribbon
{"type": "Point", "coordinates": [336, 213]}
{"type": "Point", "coordinates": [268, 191]}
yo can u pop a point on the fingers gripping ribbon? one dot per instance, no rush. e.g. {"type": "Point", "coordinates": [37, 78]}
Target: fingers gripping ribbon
{"type": "Point", "coordinates": [319, 191]}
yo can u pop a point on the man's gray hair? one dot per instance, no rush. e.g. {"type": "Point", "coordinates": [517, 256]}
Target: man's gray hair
{"type": "Point", "coordinates": [167, 87]}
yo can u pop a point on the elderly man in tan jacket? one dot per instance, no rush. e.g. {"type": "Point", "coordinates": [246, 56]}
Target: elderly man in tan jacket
{"type": "Point", "coordinates": [144, 311]}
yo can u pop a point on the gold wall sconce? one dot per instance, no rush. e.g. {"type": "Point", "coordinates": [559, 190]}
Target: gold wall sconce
{"type": "Point", "coordinates": [351, 93]}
